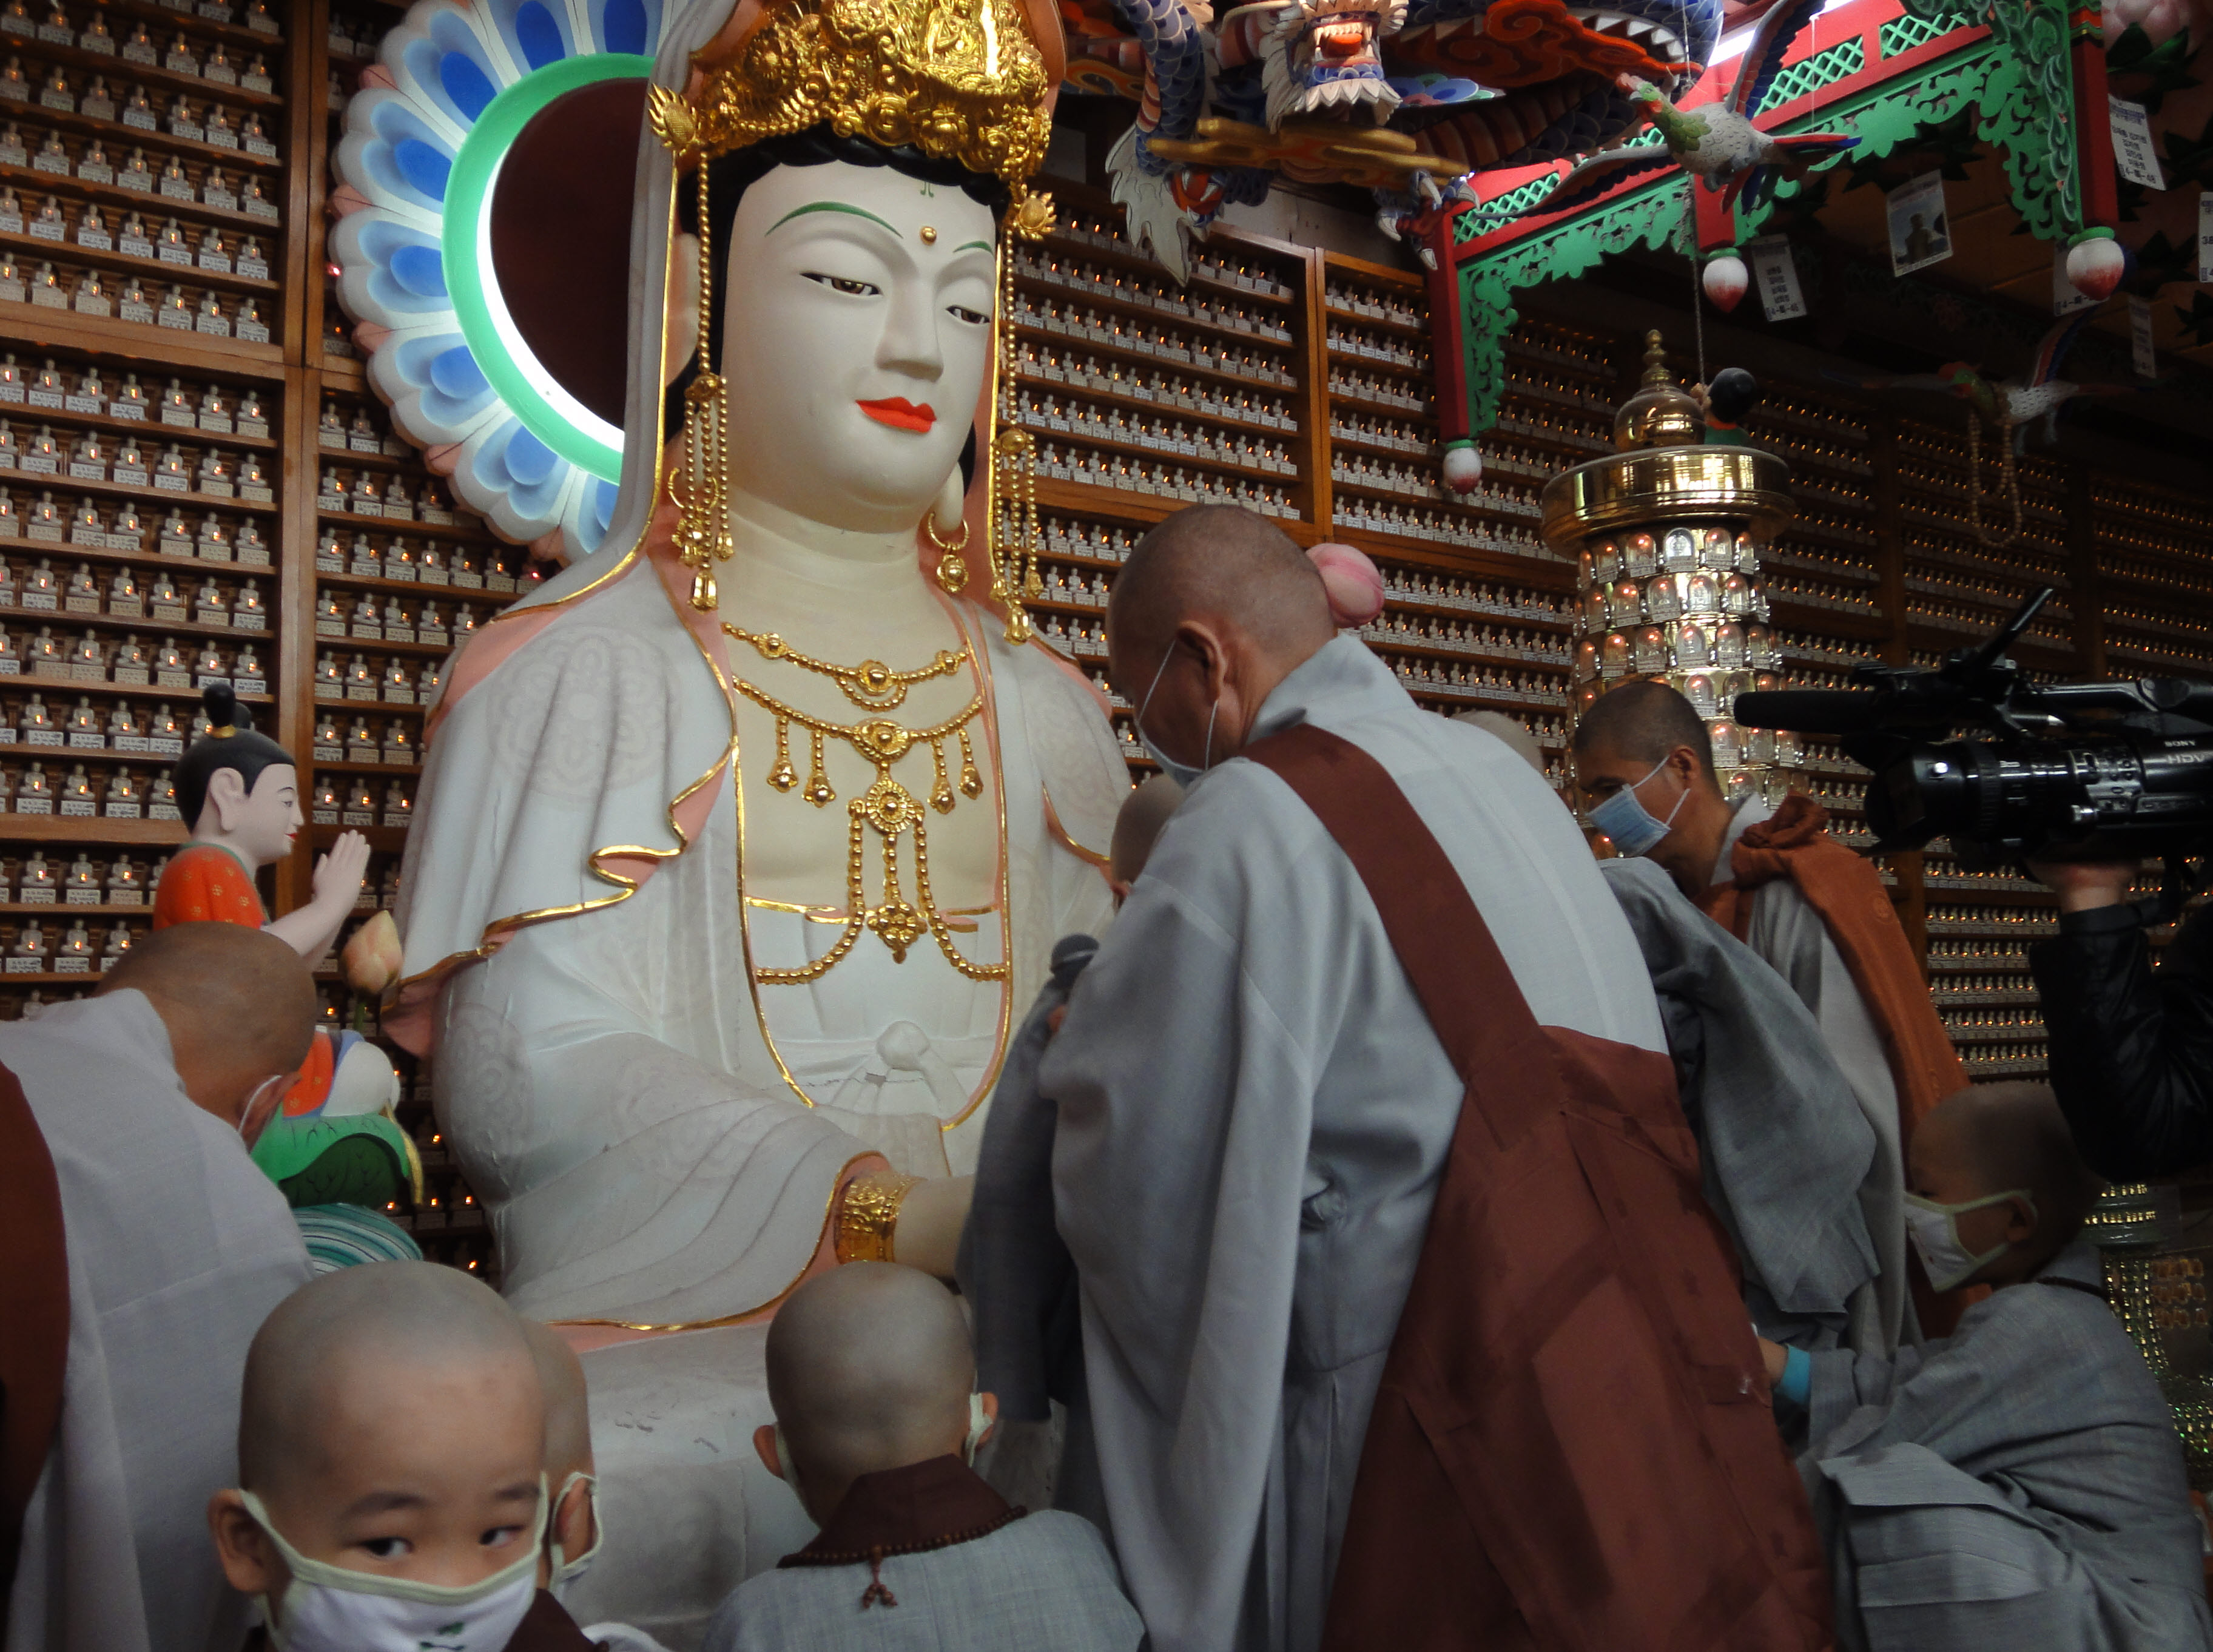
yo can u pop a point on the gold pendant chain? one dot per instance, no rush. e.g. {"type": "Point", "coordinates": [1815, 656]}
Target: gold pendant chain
{"type": "Point", "coordinates": [886, 807]}
{"type": "Point", "coordinates": [872, 685]}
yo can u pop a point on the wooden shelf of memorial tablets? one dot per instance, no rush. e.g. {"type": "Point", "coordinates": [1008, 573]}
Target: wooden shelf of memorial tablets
{"type": "Point", "coordinates": [339, 458]}
{"type": "Point", "coordinates": [1250, 382]}
{"type": "Point", "coordinates": [80, 829]}
{"type": "Point", "coordinates": [1168, 410]}
{"type": "Point", "coordinates": [151, 427]}
{"type": "Point", "coordinates": [140, 494]}
{"type": "Point", "coordinates": [30, 182]}
{"type": "Point", "coordinates": [230, 33]}
{"type": "Point", "coordinates": [1287, 480]}
{"type": "Point", "coordinates": [469, 593]}
{"type": "Point", "coordinates": [1131, 508]}
{"type": "Point", "coordinates": [107, 259]}
{"type": "Point", "coordinates": [463, 532]}
{"type": "Point", "coordinates": [1092, 295]}
{"type": "Point", "coordinates": [1541, 574]}
{"type": "Point", "coordinates": [62, 550]}
{"type": "Point", "coordinates": [113, 66]}
{"type": "Point", "coordinates": [135, 345]}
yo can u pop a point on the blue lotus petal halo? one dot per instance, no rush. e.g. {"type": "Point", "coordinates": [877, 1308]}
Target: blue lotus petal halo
{"type": "Point", "coordinates": [432, 147]}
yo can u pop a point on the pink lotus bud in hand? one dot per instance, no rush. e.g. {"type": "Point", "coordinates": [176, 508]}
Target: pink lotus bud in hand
{"type": "Point", "coordinates": [371, 959]}
{"type": "Point", "coordinates": [1356, 589]}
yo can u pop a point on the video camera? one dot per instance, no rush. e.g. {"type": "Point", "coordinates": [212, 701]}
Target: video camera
{"type": "Point", "coordinates": [2072, 772]}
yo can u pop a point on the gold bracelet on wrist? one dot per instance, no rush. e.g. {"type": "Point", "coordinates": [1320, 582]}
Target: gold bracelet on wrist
{"type": "Point", "coordinates": [868, 1216]}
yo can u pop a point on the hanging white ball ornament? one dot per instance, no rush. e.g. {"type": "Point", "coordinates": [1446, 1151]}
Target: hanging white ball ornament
{"type": "Point", "coordinates": [2094, 267]}
{"type": "Point", "coordinates": [1463, 468]}
{"type": "Point", "coordinates": [1726, 280]}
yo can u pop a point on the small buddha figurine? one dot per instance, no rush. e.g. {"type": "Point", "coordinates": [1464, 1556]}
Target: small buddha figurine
{"type": "Point", "coordinates": [118, 942]}
{"type": "Point", "coordinates": [170, 657]}
{"type": "Point", "coordinates": [248, 611]}
{"type": "Point", "coordinates": [90, 450]}
{"type": "Point", "coordinates": [163, 725]}
{"type": "Point", "coordinates": [123, 724]}
{"type": "Point", "coordinates": [330, 487]}
{"type": "Point", "coordinates": [399, 560]}
{"type": "Point", "coordinates": [210, 312]}
{"type": "Point", "coordinates": [164, 594]}
{"type": "Point", "coordinates": [126, 883]}
{"type": "Point", "coordinates": [396, 684]}
{"type": "Point", "coordinates": [172, 464]}
{"type": "Point", "coordinates": [395, 619]}
{"type": "Point", "coordinates": [246, 673]}
{"type": "Point", "coordinates": [398, 803]}
{"type": "Point", "coordinates": [427, 679]}
{"type": "Point", "coordinates": [132, 396]}
{"type": "Point", "coordinates": [82, 587]}
{"type": "Point", "coordinates": [210, 661]}
{"type": "Point", "coordinates": [365, 498]}
{"type": "Point", "coordinates": [398, 743]}
{"type": "Point", "coordinates": [330, 430]}
{"type": "Point", "coordinates": [34, 794]}
{"type": "Point", "coordinates": [326, 730]}
{"type": "Point", "coordinates": [81, 885]}
{"type": "Point", "coordinates": [396, 502]}
{"type": "Point", "coordinates": [250, 410]}
{"type": "Point", "coordinates": [211, 607]}
{"type": "Point", "coordinates": [124, 798]}
{"type": "Point", "coordinates": [126, 531]}
{"type": "Point", "coordinates": [248, 546]}
{"type": "Point", "coordinates": [360, 739]}
{"type": "Point", "coordinates": [83, 719]}
{"type": "Point", "coordinates": [363, 621]}
{"type": "Point", "coordinates": [361, 673]}
{"type": "Point", "coordinates": [329, 673]}
{"type": "Point", "coordinates": [76, 792]}
{"type": "Point", "coordinates": [45, 650]}
{"type": "Point", "coordinates": [30, 944]}
{"type": "Point", "coordinates": [38, 875]}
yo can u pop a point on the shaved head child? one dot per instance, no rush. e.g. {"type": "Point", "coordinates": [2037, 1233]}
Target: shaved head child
{"type": "Point", "coordinates": [2017, 1484]}
{"type": "Point", "coordinates": [871, 1377]}
{"type": "Point", "coordinates": [392, 1461]}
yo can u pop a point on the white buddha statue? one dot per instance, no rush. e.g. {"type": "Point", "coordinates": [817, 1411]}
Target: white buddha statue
{"type": "Point", "coordinates": [728, 878]}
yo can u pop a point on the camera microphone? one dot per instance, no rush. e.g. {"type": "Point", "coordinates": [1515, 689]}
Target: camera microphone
{"type": "Point", "coordinates": [1810, 711]}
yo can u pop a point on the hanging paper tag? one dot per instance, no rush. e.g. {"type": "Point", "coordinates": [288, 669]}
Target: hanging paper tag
{"type": "Point", "coordinates": [1920, 231]}
{"type": "Point", "coordinates": [1773, 267]}
{"type": "Point", "coordinates": [2140, 337]}
{"type": "Point", "coordinates": [2066, 297]}
{"type": "Point", "coordinates": [2132, 150]}
{"type": "Point", "coordinates": [2206, 234]}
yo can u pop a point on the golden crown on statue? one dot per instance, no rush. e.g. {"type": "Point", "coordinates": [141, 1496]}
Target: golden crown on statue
{"type": "Point", "coordinates": [958, 80]}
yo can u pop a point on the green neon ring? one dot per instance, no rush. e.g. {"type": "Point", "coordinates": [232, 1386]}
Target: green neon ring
{"type": "Point", "coordinates": [468, 193]}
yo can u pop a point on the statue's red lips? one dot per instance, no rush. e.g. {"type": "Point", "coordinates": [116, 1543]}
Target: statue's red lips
{"type": "Point", "coordinates": [902, 414]}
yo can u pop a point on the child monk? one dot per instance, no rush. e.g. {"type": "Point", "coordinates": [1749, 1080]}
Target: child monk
{"type": "Point", "coordinates": [2017, 1484]}
{"type": "Point", "coordinates": [871, 1378]}
{"type": "Point", "coordinates": [392, 1441]}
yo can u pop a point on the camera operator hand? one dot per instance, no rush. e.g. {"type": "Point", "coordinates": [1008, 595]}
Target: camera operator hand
{"type": "Point", "coordinates": [2085, 885]}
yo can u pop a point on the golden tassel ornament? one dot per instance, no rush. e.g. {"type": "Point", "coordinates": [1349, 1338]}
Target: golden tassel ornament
{"type": "Point", "coordinates": [702, 486]}
{"type": "Point", "coordinates": [1011, 451]}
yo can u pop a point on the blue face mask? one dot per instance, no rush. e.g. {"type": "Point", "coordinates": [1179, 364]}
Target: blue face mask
{"type": "Point", "coordinates": [1628, 823]}
{"type": "Point", "coordinates": [1182, 773]}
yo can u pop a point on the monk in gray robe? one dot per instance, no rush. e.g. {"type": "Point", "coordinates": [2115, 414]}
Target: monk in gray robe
{"type": "Point", "coordinates": [147, 1094]}
{"type": "Point", "coordinates": [2017, 1485]}
{"type": "Point", "coordinates": [1253, 1111]}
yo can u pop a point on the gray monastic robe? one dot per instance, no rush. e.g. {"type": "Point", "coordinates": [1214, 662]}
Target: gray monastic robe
{"type": "Point", "coordinates": [177, 1249]}
{"type": "Point", "coordinates": [1789, 934]}
{"type": "Point", "coordinates": [2016, 1485]}
{"type": "Point", "coordinates": [1254, 1115]}
{"type": "Point", "coordinates": [1784, 1150]}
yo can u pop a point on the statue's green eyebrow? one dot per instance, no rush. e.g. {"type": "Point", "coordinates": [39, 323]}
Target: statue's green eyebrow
{"type": "Point", "coordinates": [825, 206]}
{"type": "Point", "coordinates": [982, 245]}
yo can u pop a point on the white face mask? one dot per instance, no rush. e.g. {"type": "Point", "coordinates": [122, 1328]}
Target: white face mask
{"type": "Point", "coordinates": [1935, 1232]}
{"type": "Point", "coordinates": [329, 1608]}
{"type": "Point", "coordinates": [1182, 773]}
{"type": "Point", "coordinates": [566, 1571]}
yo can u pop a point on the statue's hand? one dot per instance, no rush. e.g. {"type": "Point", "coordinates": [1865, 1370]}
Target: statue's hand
{"type": "Point", "coordinates": [339, 874]}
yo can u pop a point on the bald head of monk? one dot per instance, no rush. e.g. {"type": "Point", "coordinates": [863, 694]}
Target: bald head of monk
{"type": "Point", "coordinates": [1215, 607]}
{"type": "Point", "coordinates": [1646, 739]}
{"type": "Point", "coordinates": [869, 1369]}
{"type": "Point", "coordinates": [1517, 738]}
{"type": "Point", "coordinates": [2008, 1144]}
{"type": "Point", "coordinates": [1144, 812]}
{"type": "Point", "coordinates": [392, 1423]}
{"type": "Point", "coordinates": [239, 1008]}
{"type": "Point", "coordinates": [573, 1525]}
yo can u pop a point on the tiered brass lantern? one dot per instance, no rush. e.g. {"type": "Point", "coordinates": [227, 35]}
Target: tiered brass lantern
{"type": "Point", "coordinates": [1667, 535]}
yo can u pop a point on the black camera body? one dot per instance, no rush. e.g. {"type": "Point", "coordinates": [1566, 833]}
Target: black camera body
{"type": "Point", "coordinates": [2066, 771]}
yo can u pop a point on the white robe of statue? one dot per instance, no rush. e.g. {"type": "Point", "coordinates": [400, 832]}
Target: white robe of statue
{"type": "Point", "coordinates": [658, 1137]}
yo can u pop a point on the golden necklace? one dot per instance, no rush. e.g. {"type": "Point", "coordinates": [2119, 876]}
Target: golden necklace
{"type": "Point", "coordinates": [888, 808]}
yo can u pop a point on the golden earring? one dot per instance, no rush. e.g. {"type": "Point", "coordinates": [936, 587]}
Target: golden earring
{"type": "Point", "coordinates": [952, 566]}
